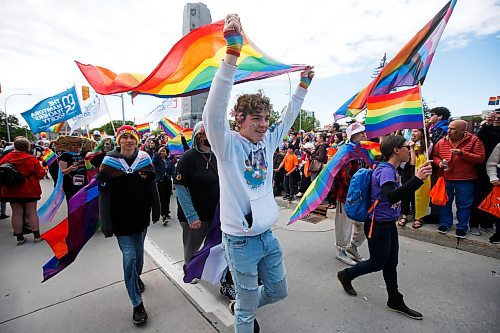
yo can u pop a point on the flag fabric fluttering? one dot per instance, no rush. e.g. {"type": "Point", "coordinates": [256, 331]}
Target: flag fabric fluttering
{"type": "Point", "coordinates": [171, 129]}
{"type": "Point", "coordinates": [408, 68]}
{"type": "Point", "coordinates": [189, 67]}
{"type": "Point", "coordinates": [49, 209]}
{"type": "Point", "coordinates": [494, 100]}
{"type": "Point", "coordinates": [319, 188]}
{"type": "Point", "coordinates": [209, 263]}
{"type": "Point", "coordinates": [392, 112]}
{"type": "Point", "coordinates": [68, 237]}
{"type": "Point", "coordinates": [175, 145]}
{"type": "Point", "coordinates": [143, 129]}
{"type": "Point", "coordinates": [55, 128]}
{"type": "Point", "coordinates": [48, 157]}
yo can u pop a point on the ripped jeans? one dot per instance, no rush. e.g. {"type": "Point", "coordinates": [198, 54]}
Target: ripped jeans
{"type": "Point", "coordinates": [251, 257]}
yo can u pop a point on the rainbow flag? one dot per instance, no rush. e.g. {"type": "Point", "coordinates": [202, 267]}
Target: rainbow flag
{"type": "Point", "coordinates": [175, 144]}
{"type": "Point", "coordinates": [171, 129]}
{"type": "Point", "coordinates": [319, 188]}
{"type": "Point", "coordinates": [396, 111]}
{"type": "Point", "coordinates": [408, 68]}
{"type": "Point", "coordinates": [48, 157]}
{"type": "Point", "coordinates": [70, 235]}
{"type": "Point", "coordinates": [143, 129]}
{"type": "Point", "coordinates": [55, 128]}
{"type": "Point", "coordinates": [189, 67]}
{"type": "Point", "coordinates": [494, 100]}
{"type": "Point", "coordinates": [49, 209]}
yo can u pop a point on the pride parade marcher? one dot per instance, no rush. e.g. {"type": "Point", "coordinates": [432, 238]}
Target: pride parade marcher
{"type": "Point", "coordinates": [165, 172]}
{"type": "Point", "coordinates": [127, 198]}
{"type": "Point", "coordinates": [380, 228]}
{"type": "Point", "coordinates": [23, 196]}
{"type": "Point", "coordinates": [73, 169]}
{"type": "Point", "coordinates": [247, 207]}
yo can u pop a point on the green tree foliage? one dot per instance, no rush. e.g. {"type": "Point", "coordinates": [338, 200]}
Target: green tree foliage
{"type": "Point", "coordinates": [108, 128]}
{"type": "Point", "coordinates": [15, 128]}
{"type": "Point", "coordinates": [308, 122]}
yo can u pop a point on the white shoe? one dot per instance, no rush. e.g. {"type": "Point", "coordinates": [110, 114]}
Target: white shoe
{"type": "Point", "coordinates": [352, 251]}
{"type": "Point", "coordinates": [299, 195]}
{"type": "Point", "coordinates": [342, 256]}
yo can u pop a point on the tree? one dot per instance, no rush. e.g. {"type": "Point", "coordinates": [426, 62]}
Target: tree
{"type": "Point", "coordinates": [426, 109]}
{"type": "Point", "coordinates": [15, 128]}
{"type": "Point", "coordinates": [108, 128]}
{"type": "Point", "coordinates": [381, 65]}
{"type": "Point", "coordinates": [308, 122]}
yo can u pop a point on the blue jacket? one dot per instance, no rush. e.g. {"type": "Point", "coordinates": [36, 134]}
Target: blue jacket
{"type": "Point", "coordinates": [164, 170]}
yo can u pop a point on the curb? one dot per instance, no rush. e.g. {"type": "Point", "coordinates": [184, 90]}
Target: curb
{"type": "Point", "coordinates": [427, 233]}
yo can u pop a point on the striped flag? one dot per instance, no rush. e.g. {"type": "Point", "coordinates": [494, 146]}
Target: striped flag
{"type": "Point", "coordinates": [170, 128]}
{"type": "Point", "coordinates": [494, 100]}
{"type": "Point", "coordinates": [143, 129]}
{"type": "Point", "coordinates": [392, 112]}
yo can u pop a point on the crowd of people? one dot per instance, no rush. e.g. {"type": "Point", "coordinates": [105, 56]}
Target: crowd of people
{"type": "Point", "coordinates": [229, 169]}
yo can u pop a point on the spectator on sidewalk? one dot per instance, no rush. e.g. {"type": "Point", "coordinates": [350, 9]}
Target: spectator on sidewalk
{"type": "Point", "coordinates": [457, 155]}
{"type": "Point", "coordinates": [127, 199]}
{"type": "Point", "coordinates": [348, 233]}
{"type": "Point", "coordinates": [248, 209]}
{"type": "Point", "coordinates": [23, 196]}
{"type": "Point", "coordinates": [290, 163]}
{"type": "Point", "coordinates": [319, 153]}
{"type": "Point", "coordinates": [418, 157]}
{"type": "Point", "coordinates": [278, 176]}
{"type": "Point", "coordinates": [493, 169]}
{"type": "Point", "coordinates": [380, 228]}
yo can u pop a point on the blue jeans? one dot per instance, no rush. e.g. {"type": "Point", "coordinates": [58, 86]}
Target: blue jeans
{"type": "Point", "coordinates": [132, 247]}
{"type": "Point", "coordinates": [463, 191]}
{"type": "Point", "coordinates": [251, 257]}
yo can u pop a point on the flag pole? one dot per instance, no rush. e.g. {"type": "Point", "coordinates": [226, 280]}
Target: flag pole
{"type": "Point", "coordinates": [423, 121]}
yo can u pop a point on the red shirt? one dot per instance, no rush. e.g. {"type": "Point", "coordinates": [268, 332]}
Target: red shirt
{"type": "Point", "coordinates": [29, 167]}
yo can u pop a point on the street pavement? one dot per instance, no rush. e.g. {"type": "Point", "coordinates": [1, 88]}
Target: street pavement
{"type": "Point", "coordinates": [456, 291]}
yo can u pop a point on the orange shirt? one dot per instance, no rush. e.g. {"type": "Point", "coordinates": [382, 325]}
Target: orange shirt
{"type": "Point", "coordinates": [290, 161]}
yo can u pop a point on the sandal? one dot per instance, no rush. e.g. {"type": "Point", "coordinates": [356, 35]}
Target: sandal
{"type": "Point", "coordinates": [417, 224]}
{"type": "Point", "coordinates": [402, 221]}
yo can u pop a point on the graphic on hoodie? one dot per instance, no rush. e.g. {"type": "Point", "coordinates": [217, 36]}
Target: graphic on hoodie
{"type": "Point", "coordinates": [256, 167]}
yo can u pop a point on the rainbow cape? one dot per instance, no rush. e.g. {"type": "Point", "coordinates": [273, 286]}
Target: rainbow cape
{"type": "Point", "coordinates": [48, 157]}
{"type": "Point", "coordinates": [68, 237]}
{"type": "Point", "coordinates": [408, 68]}
{"type": "Point", "coordinates": [50, 207]}
{"type": "Point", "coordinates": [188, 68]}
{"type": "Point", "coordinates": [175, 144]}
{"type": "Point", "coordinates": [319, 188]}
{"type": "Point", "coordinates": [143, 128]}
{"type": "Point", "coordinates": [396, 111]}
{"type": "Point", "coordinates": [171, 129]}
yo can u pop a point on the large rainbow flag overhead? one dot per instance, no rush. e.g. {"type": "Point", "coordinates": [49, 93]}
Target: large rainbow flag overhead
{"type": "Point", "coordinates": [319, 188]}
{"type": "Point", "coordinates": [189, 67]}
{"type": "Point", "coordinates": [392, 112]}
{"type": "Point", "coordinates": [408, 68]}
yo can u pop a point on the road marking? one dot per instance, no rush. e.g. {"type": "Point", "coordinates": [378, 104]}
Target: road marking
{"type": "Point", "coordinates": [205, 299]}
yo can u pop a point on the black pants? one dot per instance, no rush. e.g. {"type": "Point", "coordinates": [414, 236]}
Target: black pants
{"type": "Point", "coordinates": [290, 182]}
{"type": "Point", "coordinates": [278, 183]}
{"type": "Point", "coordinates": [384, 248]}
{"type": "Point", "coordinates": [165, 191]}
{"type": "Point", "coordinates": [407, 204]}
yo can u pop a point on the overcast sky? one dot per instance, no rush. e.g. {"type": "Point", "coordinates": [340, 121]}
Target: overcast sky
{"type": "Point", "coordinates": [344, 40]}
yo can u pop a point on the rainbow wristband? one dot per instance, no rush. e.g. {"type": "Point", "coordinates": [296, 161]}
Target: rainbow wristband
{"type": "Point", "coordinates": [304, 82]}
{"type": "Point", "coordinates": [234, 42]}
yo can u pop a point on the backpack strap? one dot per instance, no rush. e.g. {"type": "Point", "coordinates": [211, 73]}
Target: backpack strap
{"type": "Point", "coordinates": [372, 208]}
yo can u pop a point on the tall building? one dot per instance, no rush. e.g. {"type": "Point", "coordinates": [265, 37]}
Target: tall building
{"type": "Point", "coordinates": [195, 16]}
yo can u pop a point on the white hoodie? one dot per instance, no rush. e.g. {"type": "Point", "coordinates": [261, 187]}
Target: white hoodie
{"type": "Point", "coordinates": [245, 169]}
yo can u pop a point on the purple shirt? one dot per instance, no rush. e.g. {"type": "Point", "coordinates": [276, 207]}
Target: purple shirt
{"type": "Point", "coordinates": [384, 211]}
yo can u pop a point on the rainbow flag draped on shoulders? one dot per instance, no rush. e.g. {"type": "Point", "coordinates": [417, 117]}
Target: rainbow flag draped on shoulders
{"type": "Point", "coordinates": [408, 68]}
{"type": "Point", "coordinates": [189, 67]}
{"type": "Point", "coordinates": [319, 188]}
{"type": "Point", "coordinates": [396, 111]}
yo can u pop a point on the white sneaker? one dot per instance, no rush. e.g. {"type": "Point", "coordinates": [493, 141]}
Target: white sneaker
{"type": "Point", "coordinates": [299, 195]}
{"type": "Point", "coordinates": [342, 256]}
{"type": "Point", "coordinates": [352, 251]}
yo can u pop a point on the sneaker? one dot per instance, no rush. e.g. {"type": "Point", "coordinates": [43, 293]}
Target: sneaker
{"type": "Point", "coordinates": [286, 196]}
{"type": "Point", "coordinates": [346, 284]}
{"type": "Point", "coordinates": [352, 251]}
{"type": "Point", "coordinates": [397, 304]}
{"type": "Point", "coordinates": [21, 240]}
{"type": "Point", "coordinates": [342, 256]}
{"type": "Point", "coordinates": [168, 217]}
{"type": "Point", "coordinates": [195, 281]}
{"type": "Point", "coordinates": [140, 315]}
{"type": "Point", "coordinates": [475, 231]}
{"type": "Point", "coordinates": [442, 229]}
{"type": "Point", "coordinates": [37, 240]}
{"type": "Point", "coordinates": [495, 239]}
{"type": "Point", "coordinates": [256, 326]}
{"type": "Point", "coordinates": [232, 304]}
{"type": "Point", "coordinates": [4, 216]}
{"type": "Point", "coordinates": [460, 233]}
{"type": "Point", "coordinates": [228, 291]}
{"type": "Point", "coordinates": [300, 195]}
{"type": "Point", "coordinates": [142, 287]}
{"type": "Point", "coordinates": [165, 222]}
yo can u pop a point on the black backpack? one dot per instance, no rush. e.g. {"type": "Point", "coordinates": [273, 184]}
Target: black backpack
{"type": "Point", "coordinates": [9, 176]}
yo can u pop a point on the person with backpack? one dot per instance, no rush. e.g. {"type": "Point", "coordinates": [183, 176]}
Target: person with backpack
{"type": "Point", "coordinates": [20, 175]}
{"type": "Point", "coordinates": [348, 233]}
{"type": "Point", "coordinates": [380, 226]}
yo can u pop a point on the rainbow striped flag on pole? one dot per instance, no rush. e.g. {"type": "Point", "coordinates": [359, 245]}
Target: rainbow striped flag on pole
{"type": "Point", "coordinates": [170, 128]}
{"type": "Point", "coordinates": [396, 111]}
{"type": "Point", "coordinates": [143, 129]}
{"type": "Point", "coordinates": [494, 100]}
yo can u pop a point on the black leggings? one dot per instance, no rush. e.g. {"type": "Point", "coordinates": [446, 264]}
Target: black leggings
{"type": "Point", "coordinates": [384, 248]}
